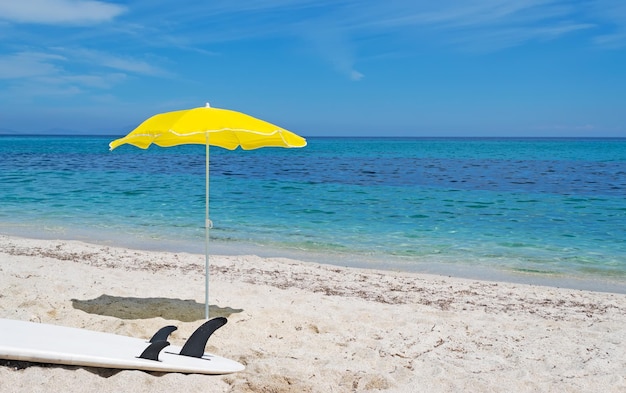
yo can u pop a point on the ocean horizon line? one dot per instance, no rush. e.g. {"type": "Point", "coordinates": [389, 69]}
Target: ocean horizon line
{"type": "Point", "coordinates": [356, 137]}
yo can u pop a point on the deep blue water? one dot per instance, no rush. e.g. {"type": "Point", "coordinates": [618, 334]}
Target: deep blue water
{"type": "Point", "coordinates": [526, 208]}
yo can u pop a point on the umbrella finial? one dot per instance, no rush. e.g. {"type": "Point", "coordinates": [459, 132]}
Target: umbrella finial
{"type": "Point", "coordinates": [207, 105]}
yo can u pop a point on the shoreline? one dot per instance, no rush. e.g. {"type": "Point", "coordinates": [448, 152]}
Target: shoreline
{"type": "Point", "coordinates": [427, 265]}
{"type": "Point", "coordinates": [302, 326]}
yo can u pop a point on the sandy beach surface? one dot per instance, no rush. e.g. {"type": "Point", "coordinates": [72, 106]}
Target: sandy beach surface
{"type": "Point", "coordinates": [304, 327]}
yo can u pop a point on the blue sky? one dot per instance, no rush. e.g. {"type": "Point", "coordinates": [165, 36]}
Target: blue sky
{"type": "Point", "coordinates": [318, 67]}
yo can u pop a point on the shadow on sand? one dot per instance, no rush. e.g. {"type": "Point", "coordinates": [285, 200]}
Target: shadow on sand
{"type": "Point", "coordinates": [145, 308]}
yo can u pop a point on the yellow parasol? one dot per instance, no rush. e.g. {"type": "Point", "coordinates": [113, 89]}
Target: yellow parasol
{"type": "Point", "coordinates": [210, 127]}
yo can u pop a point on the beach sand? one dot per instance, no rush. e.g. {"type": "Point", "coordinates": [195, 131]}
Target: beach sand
{"type": "Point", "coordinates": [305, 327]}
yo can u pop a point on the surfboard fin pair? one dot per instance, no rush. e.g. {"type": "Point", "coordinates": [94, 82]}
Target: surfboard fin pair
{"type": "Point", "coordinates": [194, 346]}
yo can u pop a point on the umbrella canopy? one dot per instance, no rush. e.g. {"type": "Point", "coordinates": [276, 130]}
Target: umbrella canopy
{"type": "Point", "coordinates": [211, 127]}
{"type": "Point", "coordinates": [221, 127]}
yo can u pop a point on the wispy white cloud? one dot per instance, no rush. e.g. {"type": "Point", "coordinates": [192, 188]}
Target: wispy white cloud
{"type": "Point", "coordinates": [97, 81]}
{"type": "Point", "coordinates": [480, 24]}
{"type": "Point", "coordinates": [29, 64]}
{"type": "Point", "coordinates": [29, 90]}
{"type": "Point", "coordinates": [472, 13]}
{"type": "Point", "coordinates": [489, 40]}
{"type": "Point", "coordinates": [332, 44]}
{"type": "Point", "coordinates": [99, 59]}
{"type": "Point", "coordinates": [56, 62]}
{"type": "Point", "coordinates": [613, 12]}
{"type": "Point", "coordinates": [612, 41]}
{"type": "Point", "coordinates": [33, 75]}
{"type": "Point", "coordinates": [74, 12]}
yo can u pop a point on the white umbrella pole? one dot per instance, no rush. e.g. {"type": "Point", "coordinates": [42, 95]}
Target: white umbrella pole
{"type": "Point", "coordinates": [207, 227]}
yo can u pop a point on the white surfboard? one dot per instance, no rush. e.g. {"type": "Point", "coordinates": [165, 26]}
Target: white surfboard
{"type": "Point", "coordinates": [44, 343]}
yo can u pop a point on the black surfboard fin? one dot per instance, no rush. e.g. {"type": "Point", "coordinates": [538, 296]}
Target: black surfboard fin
{"type": "Point", "coordinates": [153, 350]}
{"type": "Point", "coordinates": [163, 333]}
{"type": "Point", "coordinates": [196, 343]}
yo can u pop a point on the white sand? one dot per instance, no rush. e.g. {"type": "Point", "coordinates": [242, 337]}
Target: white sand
{"type": "Point", "coordinates": [303, 327]}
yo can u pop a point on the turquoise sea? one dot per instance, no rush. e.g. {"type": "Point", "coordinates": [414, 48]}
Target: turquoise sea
{"type": "Point", "coordinates": [545, 211]}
